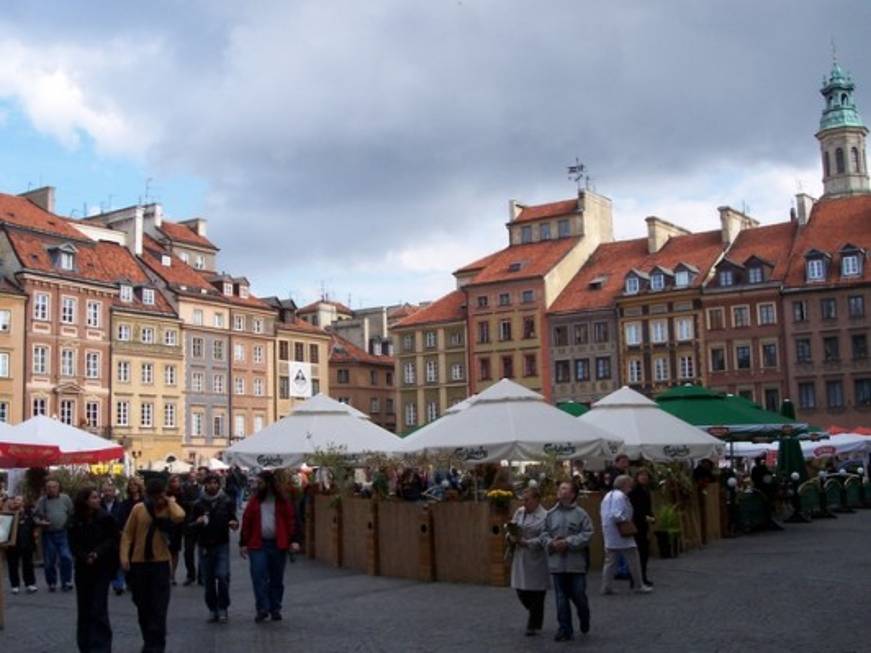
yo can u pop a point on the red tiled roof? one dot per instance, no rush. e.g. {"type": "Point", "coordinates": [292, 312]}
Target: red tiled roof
{"type": "Point", "coordinates": [550, 210]}
{"type": "Point", "coordinates": [184, 234]}
{"type": "Point", "coordinates": [402, 311]}
{"type": "Point", "coordinates": [121, 265]}
{"type": "Point", "coordinates": [345, 351]}
{"type": "Point", "coordinates": [24, 213]}
{"type": "Point", "coordinates": [445, 309]}
{"type": "Point", "coordinates": [32, 250]}
{"type": "Point", "coordinates": [480, 264]}
{"type": "Point", "coordinates": [771, 243]}
{"type": "Point", "coordinates": [9, 287]}
{"type": "Point", "coordinates": [533, 260]}
{"type": "Point", "coordinates": [834, 222]}
{"type": "Point", "coordinates": [609, 263]}
{"type": "Point", "coordinates": [301, 325]}
{"type": "Point", "coordinates": [178, 273]}
{"type": "Point", "coordinates": [313, 307]}
{"type": "Point", "coordinates": [699, 250]}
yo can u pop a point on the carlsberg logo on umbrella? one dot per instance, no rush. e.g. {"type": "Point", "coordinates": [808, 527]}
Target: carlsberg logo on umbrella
{"type": "Point", "coordinates": [676, 451]}
{"type": "Point", "coordinates": [464, 453]}
{"type": "Point", "coordinates": [559, 449]}
{"type": "Point", "coordinates": [266, 460]}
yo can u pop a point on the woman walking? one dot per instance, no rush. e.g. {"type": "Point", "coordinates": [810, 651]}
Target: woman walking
{"type": "Point", "coordinates": [529, 572]}
{"type": "Point", "coordinates": [135, 494]}
{"type": "Point", "coordinates": [642, 516]}
{"type": "Point", "coordinates": [268, 531]}
{"type": "Point", "coordinates": [93, 537]}
{"type": "Point", "coordinates": [176, 536]}
{"type": "Point", "coordinates": [20, 554]}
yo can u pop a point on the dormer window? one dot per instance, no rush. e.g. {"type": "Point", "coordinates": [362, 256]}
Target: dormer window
{"type": "Point", "coordinates": [185, 257]}
{"type": "Point", "coordinates": [563, 228]}
{"type": "Point", "coordinates": [726, 278]}
{"type": "Point", "coordinates": [243, 292]}
{"type": "Point", "coordinates": [515, 267]}
{"type": "Point", "coordinates": [657, 281]}
{"type": "Point", "coordinates": [681, 279]}
{"type": "Point", "coordinates": [199, 262]}
{"type": "Point", "coordinates": [126, 293]}
{"type": "Point", "coordinates": [850, 265]}
{"type": "Point", "coordinates": [66, 261]}
{"type": "Point", "coordinates": [816, 269]}
{"type": "Point", "coordinates": [525, 235]}
{"type": "Point", "coordinates": [754, 275]}
{"type": "Point", "coordinates": [228, 289]}
{"type": "Point", "coordinates": [166, 260]}
{"type": "Point", "coordinates": [148, 296]}
{"type": "Point", "coordinates": [632, 285]}
{"type": "Point", "coordinates": [544, 232]}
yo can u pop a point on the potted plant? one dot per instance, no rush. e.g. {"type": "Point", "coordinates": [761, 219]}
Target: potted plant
{"type": "Point", "coordinates": [668, 531]}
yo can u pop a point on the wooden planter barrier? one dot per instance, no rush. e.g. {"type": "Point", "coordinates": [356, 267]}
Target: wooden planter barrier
{"type": "Point", "coordinates": [310, 533]}
{"type": "Point", "coordinates": [462, 542]}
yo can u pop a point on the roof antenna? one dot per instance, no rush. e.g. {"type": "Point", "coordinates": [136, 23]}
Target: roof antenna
{"type": "Point", "coordinates": [578, 173]}
{"type": "Point", "coordinates": [834, 52]}
{"type": "Point", "coordinates": [148, 181]}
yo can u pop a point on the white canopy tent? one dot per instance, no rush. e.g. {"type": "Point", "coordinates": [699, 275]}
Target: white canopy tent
{"type": "Point", "coordinates": [319, 424]}
{"type": "Point", "coordinates": [216, 465]}
{"type": "Point", "coordinates": [76, 445]}
{"type": "Point", "coordinates": [844, 444]}
{"type": "Point", "coordinates": [510, 422]}
{"type": "Point", "coordinates": [649, 432]}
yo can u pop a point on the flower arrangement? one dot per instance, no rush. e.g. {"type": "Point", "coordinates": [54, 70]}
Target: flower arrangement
{"type": "Point", "coordinates": [500, 498]}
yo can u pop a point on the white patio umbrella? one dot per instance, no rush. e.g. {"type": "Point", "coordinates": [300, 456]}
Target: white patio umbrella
{"type": "Point", "coordinates": [648, 431]}
{"type": "Point", "coordinates": [843, 444]}
{"type": "Point", "coordinates": [510, 422]}
{"type": "Point", "coordinates": [75, 445]}
{"type": "Point", "coordinates": [216, 465]}
{"type": "Point", "coordinates": [318, 424]}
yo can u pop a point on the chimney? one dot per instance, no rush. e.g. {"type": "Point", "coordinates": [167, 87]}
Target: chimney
{"type": "Point", "coordinates": [514, 209]}
{"type": "Point", "coordinates": [197, 225]}
{"type": "Point", "coordinates": [733, 222]}
{"type": "Point", "coordinates": [659, 231]}
{"type": "Point", "coordinates": [803, 204]}
{"type": "Point", "coordinates": [42, 197]}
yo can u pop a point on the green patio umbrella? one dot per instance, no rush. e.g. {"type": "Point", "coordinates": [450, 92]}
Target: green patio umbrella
{"type": "Point", "coordinates": [573, 408]}
{"type": "Point", "coordinates": [790, 459]}
{"type": "Point", "coordinates": [787, 409]}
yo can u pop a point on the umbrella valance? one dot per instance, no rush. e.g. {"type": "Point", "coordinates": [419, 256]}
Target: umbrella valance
{"type": "Point", "coordinates": [74, 445]}
{"type": "Point", "coordinates": [15, 454]}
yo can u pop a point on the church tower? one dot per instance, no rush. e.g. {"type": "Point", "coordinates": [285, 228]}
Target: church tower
{"type": "Point", "coordinates": [842, 137]}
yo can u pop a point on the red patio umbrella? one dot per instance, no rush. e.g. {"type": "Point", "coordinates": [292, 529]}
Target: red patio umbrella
{"type": "Point", "coordinates": [13, 454]}
{"type": "Point", "coordinates": [834, 429]}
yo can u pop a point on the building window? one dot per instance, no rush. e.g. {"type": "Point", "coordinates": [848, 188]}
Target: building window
{"type": "Point", "coordinates": [148, 296]}
{"type": "Point", "coordinates": [284, 387]}
{"type": "Point", "coordinates": [684, 327]}
{"type": "Point", "coordinates": [239, 385]}
{"type": "Point", "coordinates": [408, 342]}
{"type": "Point", "coordinates": [257, 353]}
{"type": "Point", "coordinates": [432, 372]}
{"type": "Point", "coordinates": [199, 262]}
{"type": "Point", "coordinates": [147, 335]}
{"type": "Point", "coordinates": [600, 332]}
{"type": "Point", "coordinates": [544, 231]}
{"type": "Point", "coordinates": [563, 228]}
{"type": "Point", "coordinates": [834, 394]}
{"type": "Point", "coordinates": [803, 350]}
{"type": "Point", "coordinates": [147, 373]}
{"type": "Point", "coordinates": [38, 407]}
{"type": "Point", "coordinates": [562, 371]}
{"type": "Point", "coordinates": [197, 347]}
{"type": "Point", "coordinates": [660, 369]}
{"type": "Point", "coordinates": [766, 314]}
{"type": "Point", "coordinates": [374, 405]}
{"type": "Point", "coordinates": [410, 414]}
{"type": "Point", "coordinates": [772, 400]}
{"type": "Point", "coordinates": [632, 331]}
{"type": "Point", "coordinates": [218, 350]}
{"type": "Point", "coordinates": [581, 334]}
{"type": "Point", "coordinates": [258, 325]}
{"type": "Point", "coordinates": [123, 372]}
{"type": "Point", "coordinates": [863, 392]}
{"type": "Point", "coordinates": [169, 415]}
{"type": "Point", "coordinates": [525, 235]}
{"type": "Point", "coordinates": [92, 365]}
{"type": "Point", "coordinates": [659, 331]}
{"type": "Point", "coordinates": [828, 309]}
{"type": "Point", "coordinates": [169, 375]}
{"type": "Point", "coordinates": [258, 423]}
{"type": "Point", "coordinates": [742, 357]}
{"type": "Point", "coordinates": [197, 380]}
{"type": "Point", "coordinates": [634, 371]}
{"type": "Point", "coordinates": [298, 352]}
{"type": "Point", "coordinates": [92, 414]}
{"type": "Point", "coordinates": [657, 281]}
{"type": "Point", "coordinates": [4, 365]}
{"type": "Point", "coordinates": [197, 425]}
{"type": "Point", "coordinates": [124, 332]}
{"type": "Point", "coordinates": [4, 411]}
{"type": "Point", "coordinates": [218, 320]}
{"type": "Point", "coordinates": [840, 167]}
{"type": "Point", "coordinates": [170, 337]}
{"type": "Point", "coordinates": [432, 411]}
{"type": "Point", "coordinates": [718, 359]}
{"type": "Point", "coordinates": [831, 349]}
{"type": "Point", "coordinates": [504, 330]}
{"type": "Point", "coordinates": [146, 415]}
{"type": "Point", "coordinates": [122, 413]}
{"type": "Point", "coordinates": [219, 384]}
{"type": "Point", "coordinates": [860, 346]}
{"type": "Point", "coordinates": [40, 359]}
{"type": "Point", "coordinates": [769, 354]}
{"type": "Point", "coordinates": [850, 265]}
{"type": "Point", "coordinates": [126, 293]}
{"type": "Point", "coordinates": [482, 301]}
{"type": "Point", "coordinates": [799, 311]}
{"type": "Point", "coordinates": [258, 387]}
{"type": "Point", "coordinates": [67, 362]}
{"type": "Point", "coordinates": [504, 299]}
{"type": "Point", "coordinates": [740, 316]}
{"type": "Point", "coordinates": [582, 369]}
{"type": "Point", "coordinates": [530, 365]}
{"type": "Point", "coordinates": [373, 377]}
{"type": "Point", "coordinates": [603, 368]}
{"type": "Point", "coordinates": [40, 306]}
{"type": "Point", "coordinates": [197, 317]}
{"type": "Point", "coordinates": [754, 274]}
{"type": "Point", "coordinates": [238, 352]}
{"type": "Point", "coordinates": [68, 310]}
{"type": "Point", "coordinates": [715, 318]}
{"type": "Point", "coordinates": [856, 305]}
{"type": "Point", "coordinates": [681, 279]}
{"type": "Point", "coordinates": [388, 378]}
{"type": "Point", "coordinates": [528, 328]}
{"type": "Point", "coordinates": [344, 376]}
{"type": "Point", "coordinates": [507, 367]}
{"type": "Point", "coordinates": [429, 339]}
{"type": "Point", "coordinates": [726, 278]}
{"type": "Point", "coordinates": [484, 369]}
{"type": "Point", "coordinates": [408, 374]}
{"type": "Point", "coordinates": [457, 372]}
{"type": "Point", "coordinates": [218, 426]}
{"type": "Point", "coordinates": [483, 332]}
{"type": "Point", "coordinates": [527, 296]}
{"type": "Point", "coordinates": [93, 317]}
{"type": "Point", "coordinates": [228, 288]}
{"type": "Point", "coordinates": [632, 285]}
{"type": "Point", "coordinates": [816, 269]}
{"type": "Point", "coordinates": [5, 321]}
{"type": "Point", "coordinates": [313, 355]}
{"type": "Point", "coordinates": [238, 322]}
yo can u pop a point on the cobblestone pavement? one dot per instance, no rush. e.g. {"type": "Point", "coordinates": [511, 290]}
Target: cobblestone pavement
{"type": "Point", "coordinates": [805, 589]}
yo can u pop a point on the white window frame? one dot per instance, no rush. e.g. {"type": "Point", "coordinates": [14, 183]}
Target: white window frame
{"type": "Point", "coordinates": [409, 373]}
{"type": "Point", "coordinates": [170, 375]}
{"type": "Point", "coordinates": [219, 384]}
{"type": "Point", "coordinates": [687, 366]}
{"type": "Point", "coordinates": [148, 296]}
{"type": "Point", "coordinates": [238, 323]}
{"type": "Point", "coordinates": [634, 371]}
{"type": "Point", "coordinates": [850, 265]}
{"type": "Point", "coordinates": [147, 373]}
{"type": "Point", "coordinates": [228, 289]}
{"type": "Point", "coordinates": [67, 261]}
{"type": "Point", "coordinates": [759, 308]}
{"type": "Point", "coordinates": [257, 353]}
{"type": "Point", "coordinates": [125, 293]}
{"type": "Point", "coordinates": [726, 278]}
{"type": "Point", "coordinates": [735, 310]}
{"type": "Point", "coordinates": [218, 320]}
{"type": "Point", "coordinates": [197, 317]}
{"type": "Point", "coordinates": [259, 386]}
{"type": "Point", "coordinates": [122, 413]}
{"type": "Point", "coordinates": [92, 414]}
{"type": "Point", "coordinates": [684, 329]}
{"type": "Point", "coordinates": [659, 331]}
{"type": "Point", "coordinates": [754, 274]}
{"type": "Point", "coordinates": [4, 412]}
{"type": "Point", "coordinates": [41, 306]}
{"type": "Point", "coordinates": [432, 371]}
{"type": "Point", "coordinates": [41, 359]}
{"type": "Point", "coordinates": [432, 411]}
{"type": "Point", "coordinates": [218, 350]}
{"type": "Point", "coordinates": [632, 333]}
{"type": "Point", "coordinates": [5, 321]}
{"type": "Point", "coordinates": [257, 325]}
{"type": "Point", "coordinates": [430, 339]}
{"type": "Point", "coordinates": [68, 309]}
{"type": "Point", "coordinates": [169, 415]}
{"type": "Point", "coordinates": [147, 335]}
{"type": "Point", "coordinates": [122, 371]}
{"type": "Point", "coordinates": [170, 337]}
{"type": "Point", "coordinates": [197, 380]}
{"type": "Point", "coordinates": [92, 365]}
{"type": "Point", "coordinates": [124, 332]}
{"type": "Point", "coordinates": [816, 269]}
{"type": "Point", "coordinates": [239, 352]}
{"type": "Point", "coordinates": [199, 262]}
{"type": "Point", "coordinates": [410, 414]}
{"type": "Point", "coordinates": [67, 362]}
{"type": "Point", "coordinates": [197, 420]}
{"type": "Point", "coordinates": [38, 406]}
{"type": "Point", "coordinates": [94, 314]}
{"type": "Point", "coordinates": [258, 423]}
{"type": "Point", "coordinates": [660, 369]}
{"type": "Point", "coordinates": [146, 415]}
{"type": "Point", "coordinates": [632, 285]}
{"type": "Point", "coordinates": [4, 365]}
{"type": "Point", "coordinates": [457, 372]}
{"type": "Point", "coordinates": [239, 385]}
{"type": "Point", "coordinates": [657, 281]}
{"type": "Point", "coordinates": [239, 426]}
{"type": "Point", "coordinates": [681, 279]}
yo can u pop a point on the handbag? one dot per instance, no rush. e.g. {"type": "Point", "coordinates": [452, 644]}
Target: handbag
{"type": "Point", "coordinates": [627, 528]}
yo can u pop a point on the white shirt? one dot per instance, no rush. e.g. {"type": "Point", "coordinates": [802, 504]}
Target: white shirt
{"type": "Point", "coordinates": [267, 519]}
{"type": "Point", "coordinates": [615, 508]}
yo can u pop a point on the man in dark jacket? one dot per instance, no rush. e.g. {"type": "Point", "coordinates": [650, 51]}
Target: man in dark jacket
{"type": "Point", "coordinates": [214, 515]}
{"type": "Point", "coordinates": [191, 491]}
{"type": "Point", "coordinates": [110, 502]}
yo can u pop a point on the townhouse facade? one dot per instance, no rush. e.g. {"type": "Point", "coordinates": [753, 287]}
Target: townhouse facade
{"type": "Point", "coordinates": [13, 304]}
{"type": "Point", "coordinates": [364, 381]}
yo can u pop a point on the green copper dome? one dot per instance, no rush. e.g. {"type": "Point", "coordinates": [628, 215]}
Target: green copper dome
{"type": "Point", "coordinates": [840, 109]}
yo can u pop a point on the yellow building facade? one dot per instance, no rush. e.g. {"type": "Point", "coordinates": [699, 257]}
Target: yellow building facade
{"type": "Point", "coordinates": [12, 326]}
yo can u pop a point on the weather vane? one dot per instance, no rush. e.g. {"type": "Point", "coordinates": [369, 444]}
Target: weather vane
{"type": "Point", "coordinates": [578, 173]}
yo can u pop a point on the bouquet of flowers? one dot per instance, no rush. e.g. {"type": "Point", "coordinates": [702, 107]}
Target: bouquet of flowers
{"type": "Point", "coordinates": [500, 498]}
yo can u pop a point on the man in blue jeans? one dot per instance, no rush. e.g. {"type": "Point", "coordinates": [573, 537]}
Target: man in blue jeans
{"type": "Point", "coordinates": [567, 533]}
{"type": "Point", "coordinates": [214, 515]}
{"type": "Point", "coordinates": [53, 511]}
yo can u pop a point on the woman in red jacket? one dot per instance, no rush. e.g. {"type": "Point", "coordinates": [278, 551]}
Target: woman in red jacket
{"type": "Point", "coordinates": [267, 534]}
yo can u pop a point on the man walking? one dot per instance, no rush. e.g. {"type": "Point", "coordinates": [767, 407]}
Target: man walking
{"type": "Point", "coordinates": [53, 512]}
{"type": "Point", "coordinates": [567, 533]}
{"type": "Point", "coordinates": [214, 516]}
{"type": "Point", "coordinates": [146, 558]}
{"type": "Point", "coordinates": [192, 490]}
{"type": "Point", "coordinates": [110, 503]}
{"type": "Point", "coordinates": [618, 530]}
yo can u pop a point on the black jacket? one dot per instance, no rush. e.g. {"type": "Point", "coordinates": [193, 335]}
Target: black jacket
{"type": "Point", "coordinates": [642, 506]}
{"type": "Point", "coordinates": [117, 511]}
{"type": "Point", "coordinates": [221, 511]}
{"type": "Point", "coordinates": [24, 538]}
{"type": "Point", "coordinates": [98, 535]}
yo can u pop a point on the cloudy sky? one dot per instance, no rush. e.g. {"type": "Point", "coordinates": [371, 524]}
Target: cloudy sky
{"type": "Point", "coordinates": [370, 148]}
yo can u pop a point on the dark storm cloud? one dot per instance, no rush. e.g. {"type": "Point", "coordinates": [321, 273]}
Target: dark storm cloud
{"type": "Point", "coordinates": [343, 129]}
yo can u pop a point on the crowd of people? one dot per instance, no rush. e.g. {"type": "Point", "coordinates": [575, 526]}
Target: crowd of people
{"type": "Point", "coordinates": [96, 540]}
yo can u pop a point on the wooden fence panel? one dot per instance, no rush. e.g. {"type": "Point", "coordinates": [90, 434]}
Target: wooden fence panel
{"type": "Point", "coordinates": [356, 515]}
{"type": "Point", "coordinates": [462, 542]}
{"type": "Point", "coordinates": [399, 539]}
